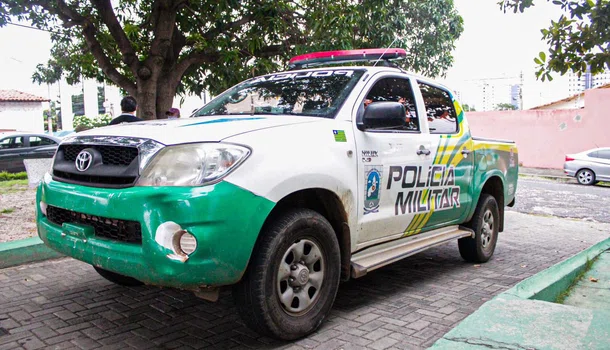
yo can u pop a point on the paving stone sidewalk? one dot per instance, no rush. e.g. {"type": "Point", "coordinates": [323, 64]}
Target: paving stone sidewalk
{"type": "Point", "coordinates": [64, 304]}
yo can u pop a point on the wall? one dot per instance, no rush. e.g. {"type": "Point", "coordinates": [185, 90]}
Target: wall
{"type": "Point", "coordinates": [544, 137]}
{"type": "Point", "coordinates": [22, 116]}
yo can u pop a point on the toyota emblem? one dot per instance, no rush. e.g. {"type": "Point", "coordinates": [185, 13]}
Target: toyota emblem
{"type": "Point", "coordinates": [83, 160]}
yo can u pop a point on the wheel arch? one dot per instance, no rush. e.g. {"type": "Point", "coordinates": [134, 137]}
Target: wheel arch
{"type": "Point", "coordinates": [329, 205]}
{"type": "Point", "coordinates": [494, 186]}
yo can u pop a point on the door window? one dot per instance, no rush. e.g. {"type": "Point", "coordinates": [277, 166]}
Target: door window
{"type": "Point", "coordinates": [396, 90]}
{"type": "Point", "coordinates": [442, 118]}
{"type": "Point", "coordinates": [12, 142]}
{"type": "Point", "coordinates": [36, 141]}
{"type": "Point", "coordinates": [605, 154]}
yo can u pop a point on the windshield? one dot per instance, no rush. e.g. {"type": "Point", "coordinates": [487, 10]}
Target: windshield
{"type": "Point", "coordinates": [309, 93]}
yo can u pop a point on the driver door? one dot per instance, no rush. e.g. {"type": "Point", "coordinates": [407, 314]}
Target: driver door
{"type": "Point", "coordinates": [391, 163]}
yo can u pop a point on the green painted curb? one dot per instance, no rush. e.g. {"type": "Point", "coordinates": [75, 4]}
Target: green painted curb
{"type": "Point", "coordinates": [525, 316]}
{"type": "Point", "coordinates": [546, 285]}
{"type": "Point", "coordinates": [25, 251]}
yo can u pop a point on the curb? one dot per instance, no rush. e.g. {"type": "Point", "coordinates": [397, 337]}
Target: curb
{"type": "Point", "coordinates": [553, 177]}
{"type": "Point", "coordinates": [518, 318]}
{"type": "Point", "coordinates": [25, 251]}
{"type": "Point", "coordinates": [547, 284]}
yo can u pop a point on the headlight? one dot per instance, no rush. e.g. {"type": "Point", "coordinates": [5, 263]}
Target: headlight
{"type": "Point", "coordinates": [192, 164]}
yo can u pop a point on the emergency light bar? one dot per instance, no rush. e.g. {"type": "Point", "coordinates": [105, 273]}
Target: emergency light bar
{"type": "Point", "coordinates": [326, 57]}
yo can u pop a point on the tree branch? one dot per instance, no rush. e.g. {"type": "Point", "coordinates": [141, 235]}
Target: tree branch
{"type": "Point", "coordinates": [163, 20]}
{"type": "Point", "coordinates": [116, 30]}
{"type": "Point", "coordinates": [70, 16]}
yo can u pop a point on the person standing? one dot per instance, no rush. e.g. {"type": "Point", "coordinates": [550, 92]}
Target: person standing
{"type": "Point", "coordinates": [128, 109]}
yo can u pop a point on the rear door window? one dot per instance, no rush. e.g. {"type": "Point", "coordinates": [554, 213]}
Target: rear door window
{"type": "Point", "coordinates": [36, 141]}
{"type": "Point", "coordinates": [605, 154]}
{"type": "Point", "coordinates": [440, 112]}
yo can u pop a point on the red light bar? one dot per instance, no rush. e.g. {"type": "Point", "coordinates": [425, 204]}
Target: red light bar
{"type": "Point", "coordinates": [318, 58]}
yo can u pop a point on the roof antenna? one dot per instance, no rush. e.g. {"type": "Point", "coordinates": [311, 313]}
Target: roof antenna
{"type": "Point", "coordinates": [384, 52]}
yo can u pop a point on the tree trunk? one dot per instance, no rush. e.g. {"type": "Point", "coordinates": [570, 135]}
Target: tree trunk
{"type": "Point", "coordinates": [147, 99]}
{"type": "Point", "coordinates": [165, 97]}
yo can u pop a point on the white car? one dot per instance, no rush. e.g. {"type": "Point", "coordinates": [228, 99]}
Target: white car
{"type": "Point", "coordinates": [589, 167]}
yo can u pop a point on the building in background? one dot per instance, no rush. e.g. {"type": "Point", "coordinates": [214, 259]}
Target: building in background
{"type": "Point", "coordinates": [489, 97]}
{"type": "Point", "coordinates": [21, 111]}
{"type": "Point", "coordinates": [516, 96]}
{"type": "Point", "coordinates": [587, 81]}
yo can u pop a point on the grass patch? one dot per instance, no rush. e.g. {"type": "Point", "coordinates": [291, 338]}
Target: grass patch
{"type": "Point", "coordinates": [5, 176]}
{"type": "Point", "coordinates": [566, 293]}
{"type": "Point", "coordinates": [13, 186]}
{"type": "Point", "coordinates": [7, 211]}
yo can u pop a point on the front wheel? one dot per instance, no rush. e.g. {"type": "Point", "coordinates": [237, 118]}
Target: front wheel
{"type": "Point", "coordinates": [585, 177]}
{"type": "Point", "coordinates": [485, 223]}
{"type": "Point", "coordinates": [293, 276]}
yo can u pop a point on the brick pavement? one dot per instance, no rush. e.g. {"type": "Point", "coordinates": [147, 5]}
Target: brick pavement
{"type": "Point", "coordinates": [64, 304]}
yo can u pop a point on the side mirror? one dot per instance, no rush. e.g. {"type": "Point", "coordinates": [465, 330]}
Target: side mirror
{"type": "Point", "coordinates": [383, 115]}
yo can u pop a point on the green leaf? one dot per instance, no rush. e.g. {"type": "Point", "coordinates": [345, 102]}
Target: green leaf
{"type": "Point", "coordinates": [542, 56]}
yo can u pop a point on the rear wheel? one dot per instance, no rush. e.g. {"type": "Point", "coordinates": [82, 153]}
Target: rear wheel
{"type": "Point", "coordinates": [485, 223]}
{"type": "Point", "coordinates": [117, 278]}
{"type": "Point", "coordinates": [293, 276]}
{"type": "Point", "coordinates": [585, 177]}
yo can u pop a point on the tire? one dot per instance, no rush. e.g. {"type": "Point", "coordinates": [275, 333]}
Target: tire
{"type": "Point", "coordinates": [116, 278]}
{"type": "Point", "coordinates": [276, 297]}
{"type": "Point", "coordinates": [485, 223]}
{"type": "Point", "coordinates": [585, 177]}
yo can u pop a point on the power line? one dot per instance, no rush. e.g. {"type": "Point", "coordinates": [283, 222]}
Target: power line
{"type": "Point", "coordinates": [30, 27]}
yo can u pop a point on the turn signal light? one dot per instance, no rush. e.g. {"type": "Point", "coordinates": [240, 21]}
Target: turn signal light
{"type": "Point", "coordinates": [569, 159]}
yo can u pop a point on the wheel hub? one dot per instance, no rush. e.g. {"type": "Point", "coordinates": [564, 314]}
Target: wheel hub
{"type": "Point", "coordinates": [299, 275]}
{"type": "Point", "coordinates": [487, 229]}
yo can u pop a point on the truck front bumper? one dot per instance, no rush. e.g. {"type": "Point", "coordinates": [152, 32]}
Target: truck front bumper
{"type": "Point", "coordinates": [224, 219]}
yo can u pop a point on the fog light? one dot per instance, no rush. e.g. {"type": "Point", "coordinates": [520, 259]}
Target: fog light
{"type": "Point", "coordinates": [43, 208]}
{"type": "Point", "coordinates": [188, 243]}
{"type": "Point", "coordinates": [171, 236]}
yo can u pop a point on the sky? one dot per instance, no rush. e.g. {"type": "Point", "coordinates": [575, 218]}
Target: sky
{"type": "Point", "coordinates": [498, 45]}
{"type": "Point", "coordinates": [493, 45]}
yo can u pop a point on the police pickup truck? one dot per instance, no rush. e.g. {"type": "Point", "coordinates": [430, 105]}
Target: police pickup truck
{"type": "Point", "coordinates": [282, 187]}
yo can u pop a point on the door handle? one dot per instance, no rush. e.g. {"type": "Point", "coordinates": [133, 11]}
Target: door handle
{"type": "Point", "coordinates": [423, 151]}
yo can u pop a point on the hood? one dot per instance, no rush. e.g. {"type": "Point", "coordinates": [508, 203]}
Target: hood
{"type": "Point", "coordinates": [200, 129]}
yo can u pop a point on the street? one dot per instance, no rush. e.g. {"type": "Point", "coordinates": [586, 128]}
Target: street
{"type": "Point", "coordinates": [566, 200]}
{"type": "Point", "coordinates": [62, 304]}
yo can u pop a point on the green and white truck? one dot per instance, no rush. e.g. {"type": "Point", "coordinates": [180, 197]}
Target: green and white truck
{"type": "Point", "coordinates": [282, 187]}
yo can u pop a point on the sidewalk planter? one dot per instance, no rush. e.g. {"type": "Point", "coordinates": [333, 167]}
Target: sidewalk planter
{"type": "Point", "coordinates": [25, 251]}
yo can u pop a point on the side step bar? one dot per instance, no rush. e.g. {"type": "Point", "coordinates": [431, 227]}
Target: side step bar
{"type": "Point", "coordinates": [386, 253]}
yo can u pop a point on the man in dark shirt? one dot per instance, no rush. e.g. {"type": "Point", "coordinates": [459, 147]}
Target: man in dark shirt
{"type": "Point", "coordinates": [128, 107]}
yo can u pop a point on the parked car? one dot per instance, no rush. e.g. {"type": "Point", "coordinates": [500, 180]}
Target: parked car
{"type": "Point", "coordinates": [282, 186]}
{"type": "Point", "coordinates": [589, 167]}
{"type": "Point", "coordinates": [17, 146]}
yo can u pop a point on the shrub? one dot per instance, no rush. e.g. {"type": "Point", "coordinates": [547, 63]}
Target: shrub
{"type": "Point", "coordinates": [4, 176]}
{"type": "Point", "coordinates": [82, 122]}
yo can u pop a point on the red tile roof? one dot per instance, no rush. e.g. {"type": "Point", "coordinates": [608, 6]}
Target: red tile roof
{"type": "Point", "coordinates": [18, 96]}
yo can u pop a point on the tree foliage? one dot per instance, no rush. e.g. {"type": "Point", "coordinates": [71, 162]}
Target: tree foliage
{"type": "Point", "coordinates": [468, 108]}
{"type": "Point", "coordinates": [577, 41]}
{"type": "Point", "coordinates": [154, 49]}
{"type": "Point", "coordinates": [505, 107]}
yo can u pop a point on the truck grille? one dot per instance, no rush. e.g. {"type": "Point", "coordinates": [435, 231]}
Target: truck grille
{"type": "Point", "coordinates": [95, 180]}
{"type": "Point", "coordinates": [114, 229]}
{"type": "Point", "coordinates": [110, 166]}
{"type": "Point", "coordinates": [111, 155]}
